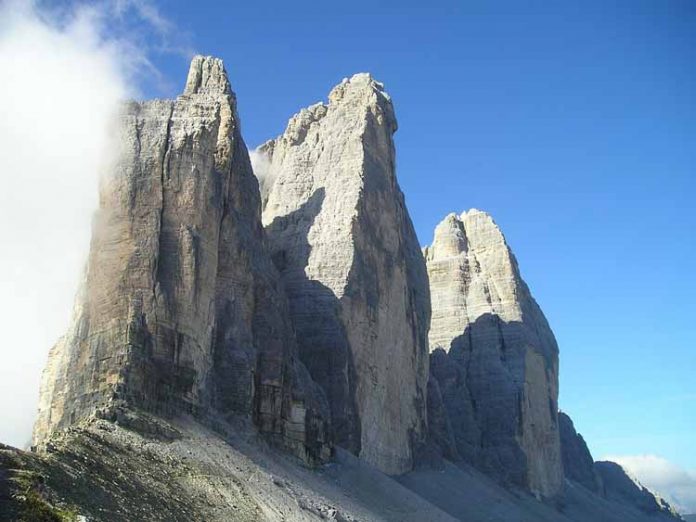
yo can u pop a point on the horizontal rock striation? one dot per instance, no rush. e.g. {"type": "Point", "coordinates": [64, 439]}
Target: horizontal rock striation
{"type": "Point", "coordinates": [347, 252]}
{"type": "Point", "coordinates": [493, 355]}
{"type": "Point", "coordinates": [181, 307]}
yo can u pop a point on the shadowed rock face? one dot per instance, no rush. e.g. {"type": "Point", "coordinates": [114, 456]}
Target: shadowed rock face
{"type": "Point", "coordinates": [608, 479]}
{"type": "Point", "coordinates": [578, 464]}
{"type": "Point", "coordinates": [181, 307]}
{"type": "Point", "coordinates": [349, 258]}
{"type": "Point", "coordinates": [618, 486]}
{"type": "Point", "coordinates": [494, 356]}
{"type": "Point", "coordinates": [440, 430]}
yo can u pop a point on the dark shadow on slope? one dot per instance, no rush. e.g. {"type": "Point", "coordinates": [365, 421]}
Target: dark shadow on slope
{"type": "Point", "coordinates": [315, 311]}
{"type": "Point", "coordinates": [469, 495]}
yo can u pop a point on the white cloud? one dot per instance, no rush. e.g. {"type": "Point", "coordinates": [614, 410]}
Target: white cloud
{"type": "Point", "coordinates": [671, 482]}
{"type": "Point", "coordinates": [261, 165]}
{"type": "Point", "coordinates": [64, 73]}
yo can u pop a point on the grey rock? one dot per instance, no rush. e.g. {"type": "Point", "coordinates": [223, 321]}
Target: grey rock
{"type": "Point", "coordinates": [182, 324]}
{"type": "Point", "coordinates": [494, 356]}
{"type": "Point", "coordinates": [440, 429]}
{"type": "Point", "coordinates": [105, 472]}
{"type": "Point", "coordinates": [461, 427]}
{"type": "Point", "coordinates": [181, 471]}
{"type": "Point", "coordinates": [619, 486]}
{"type": "Point", "coordinates": [344, 244]}
{"type": "Point", "coordinates": [578, 464]}
{"type": "Point", "coordinates": [181, 308]}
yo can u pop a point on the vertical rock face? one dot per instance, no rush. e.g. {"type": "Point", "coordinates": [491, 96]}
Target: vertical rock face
{"type": "Point", "coordinates": [349, 259]}
{"type": "Point", "coordinates": [494, 355]}
{"type": "Point", "coordinates": [181, 307]}
{"type": "Point", "coordinates": [578, 464]}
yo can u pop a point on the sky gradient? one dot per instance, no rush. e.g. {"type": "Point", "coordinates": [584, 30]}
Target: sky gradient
{"type": "Point", "coordinates": [572, 123]}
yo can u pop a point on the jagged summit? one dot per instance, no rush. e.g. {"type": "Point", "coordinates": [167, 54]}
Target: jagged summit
{"type": "Point", "coordinates": [363, 90]}
{"type": "Point", "coordinates": [359, 81]}
{"type": "Point", "coordinates": [359, 91]}
{"type": "Point", "coordinates": [207, 75]}
{"type": "Point", "coordinates": [449, 239]}
{"type": "Point", "coordinates": [354, 97]}
{"type": "Point", "coordinates": [451, 234]}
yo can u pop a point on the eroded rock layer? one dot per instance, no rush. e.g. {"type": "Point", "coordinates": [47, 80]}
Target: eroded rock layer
{"type": "Point", "coordinates": [349, 259]}
{"type": "Point", "coordinates": [493, 355]}
{"type": "Point", "coordinates": [181, 307]}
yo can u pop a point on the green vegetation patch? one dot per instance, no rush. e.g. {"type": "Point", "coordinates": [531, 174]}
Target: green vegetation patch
{"type": "Point", "coordinates": [23, 492]}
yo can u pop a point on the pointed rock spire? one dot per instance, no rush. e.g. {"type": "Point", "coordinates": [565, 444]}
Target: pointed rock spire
{"type": "Point", "coordinates": [348, 256]}
{"type": "Point", "coordinates": [182, 308]}
{"type": "Point", "coordinates": [494, 355]}
{"type": "Point", "coordinates": [207, 75]}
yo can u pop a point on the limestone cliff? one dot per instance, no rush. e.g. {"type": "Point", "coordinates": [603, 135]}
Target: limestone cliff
{"type": "Point", "coordinates": [181, 308]}
{"type": "Point", "coordinates": [347, 252]}
{"type": "Point", "coordinates": [493, 355]}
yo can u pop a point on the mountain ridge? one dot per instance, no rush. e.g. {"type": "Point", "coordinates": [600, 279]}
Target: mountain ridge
{"type": "Point", "coordinates": [231, 330]}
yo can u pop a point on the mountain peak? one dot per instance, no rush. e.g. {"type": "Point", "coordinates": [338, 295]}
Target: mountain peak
{"type": "Point", "coordinates": [499, 344]}
{"type": "Point", "coordinates": [362, 89]}
{"type": "Point", "coordinates": [207, 75]}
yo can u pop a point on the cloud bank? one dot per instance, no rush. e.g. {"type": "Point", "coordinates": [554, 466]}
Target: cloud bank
{"type": "Point", "coordinates": [671, 482]}
{"type": "Point", "coordinates": [64, 74]}
{"type": "Point", "coordinates": [261, 165]}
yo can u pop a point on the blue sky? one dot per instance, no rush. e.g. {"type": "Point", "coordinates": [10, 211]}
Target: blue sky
{"type": "Point", "coordinates": [573, 123]}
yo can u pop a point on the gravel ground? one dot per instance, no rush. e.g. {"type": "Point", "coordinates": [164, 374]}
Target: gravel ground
{"type": "Point", "coordinates": [182, 471]}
